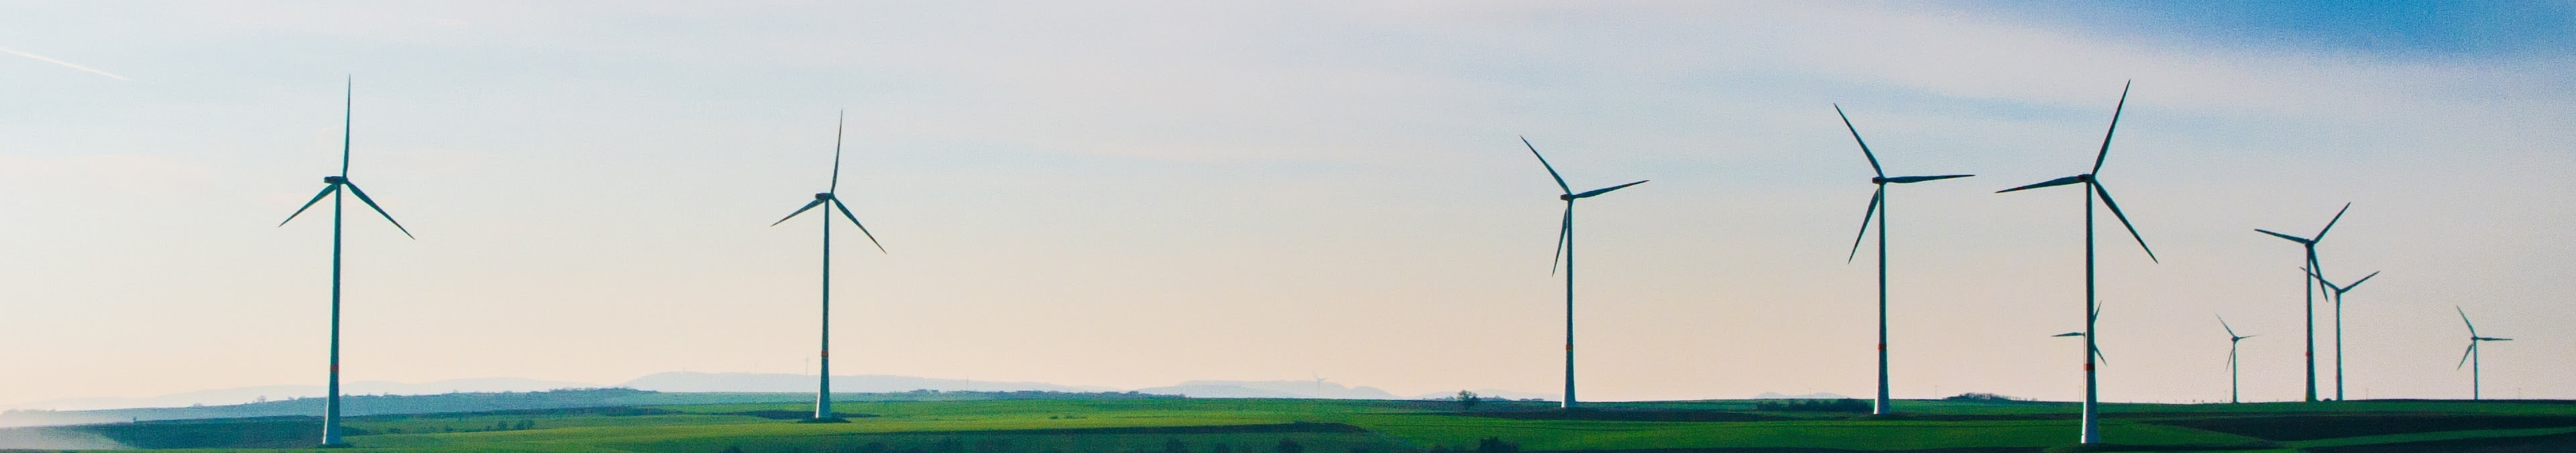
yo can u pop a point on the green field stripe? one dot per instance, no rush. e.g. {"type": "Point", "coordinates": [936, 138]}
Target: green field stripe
{"type": "Point", "coordinates": [2419, 437]}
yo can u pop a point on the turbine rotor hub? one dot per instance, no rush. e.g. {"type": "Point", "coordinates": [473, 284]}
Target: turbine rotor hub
{"type": "Point", "coordinates": [2087, 177]}
{"type": "Point", "coordinates": [1566, 197]}
{"type": "Point", "coordinates": [823, 196]}
{"type": "Point", "coordinates": [1877, 180]}
{"type": "Point", "coordinates": [335, 180]}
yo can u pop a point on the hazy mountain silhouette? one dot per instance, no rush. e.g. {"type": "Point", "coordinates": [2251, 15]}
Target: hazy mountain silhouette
{"type": "Point", "coordinates": [1810, 396]}
{"type": "Point", "coordinates": [1270, 389]}
{"type": "Point", "coordinates": [242, 395]}
{"type": "Point", "coordinates": [683, 381]}
{"type": "Point", "coordinates": [291, 399]}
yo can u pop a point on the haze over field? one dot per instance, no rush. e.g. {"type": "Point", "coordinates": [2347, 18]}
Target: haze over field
{"type": "Point", "coordinates": [1128, 195]}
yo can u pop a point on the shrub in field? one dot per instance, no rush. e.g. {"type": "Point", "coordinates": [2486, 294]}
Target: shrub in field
{"type": "Point", "coordinates": [1982, 397]}
{"type": "Point", "coordinates": [1840, 405]}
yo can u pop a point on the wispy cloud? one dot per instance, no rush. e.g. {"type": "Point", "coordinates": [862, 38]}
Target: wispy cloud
{"type": "Point", "coordinates": [60, 62]}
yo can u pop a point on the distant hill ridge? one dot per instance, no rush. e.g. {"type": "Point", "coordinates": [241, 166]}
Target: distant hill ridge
{"type": "Point", "coordinates": [488, 394]}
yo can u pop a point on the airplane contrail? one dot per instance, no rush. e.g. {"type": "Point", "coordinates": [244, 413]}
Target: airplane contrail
{"type": "Point", "coordinates": [60, 62]}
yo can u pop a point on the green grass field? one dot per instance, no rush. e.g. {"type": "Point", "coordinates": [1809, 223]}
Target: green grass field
{"type": "Point", "coordinates": [1333, 426]}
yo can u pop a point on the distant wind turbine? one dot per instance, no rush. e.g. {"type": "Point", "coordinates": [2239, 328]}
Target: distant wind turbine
{"type": "Point", "coordinates": [829, 202]}
{"type": "Point", "coordinates": [1565, 250]}
{"type": "Point", "coordinates": [2337, 297]}
{"type": "Point", "coordinates": [2232, 339]}
{"type": "Point", "coordinates": [2091, 431]}
{"type": "Point", "coordinates": [2309, 291]}
{"type": "Point", "coordinates": [332, 187]}
{"type": "Point", "coordinates": [2097, 351]}
{"type": "Point", "coordinates": [2471, 358]}
{"type": "Point", "coordinates": [1878, 209]}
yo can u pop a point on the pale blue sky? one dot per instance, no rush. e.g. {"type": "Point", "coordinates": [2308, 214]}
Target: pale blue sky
{"type": "Point", "coordinates": [1133, 194]}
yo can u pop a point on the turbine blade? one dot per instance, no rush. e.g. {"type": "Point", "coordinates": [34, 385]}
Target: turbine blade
{"type": "Point", "coordinates": [348, 109]}
{"type": "Point", "coordinates": [1864, 145]}
{"type": "Point", "coordinates": [1564, 231]}
{"type": "Point", "coordinates": [844, 123]}
{"type": "Point", "coordinates": [1864, 223]}
{"type": "Point", "coordinates": [380, 210]}
{"type": "Point", "coordinates": [2048, 183]}
{"type": "Point", "coordinates": [2222, 323]}
{"type": "Point", "coordinates": [2069, 334]}
{"type": "Point", "coordinates": [791, 215]}
{"type": "Point", "coordinates": [2464, 319]}
{"type": "Point", "coordinates": [2496, 339]}
{"type": "Point", "coordinates": [2321, 232]}
{"type": "Point", "coordinates": [2097, 354]}
{"type": "Point", "coordinates": [1551, 169]}
{"type": "Point", "coordinates": [2124, 220]}
{"type": "Point", "coordinates": [1916, 179]}
{"type": "Point", "coordinates": [854, 220]}
{"type": "Point", "coordinates": [1596, 192]}
{"type": "Point", "coordinates": [317, 198]}
{"type": "Point", "coordinates": [2285, 236]}
{"type": "Point", "coordinates": [2357, 283]}
{"type": "Point", "coordinates": [2464, 355]}
{"type": "Point", "coordinates": [2105, 155]}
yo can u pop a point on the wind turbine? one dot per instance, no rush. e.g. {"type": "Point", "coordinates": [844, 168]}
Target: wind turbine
{"type": "Point", "coordinates": [1878, 209]}
{"type": "Point", "coordinates": [2309, 290]}
{"type": "Point", "coordinates": [2338, 321]}
{"type": "Point", "coordinates": [2093, 185]}
{"type": "Point", "coordinates": [1565, 250]}
{"type": "Point", "coordinates": [2471, 357]}
{"type": "Point", "coordinates": [2097, 351]}
{"type": "Point", "coordinates": [2232, 339]}
{"type": "Point", "coordinates": [823, 391]}
{"type": "Point", "coordinates": [332, 186]}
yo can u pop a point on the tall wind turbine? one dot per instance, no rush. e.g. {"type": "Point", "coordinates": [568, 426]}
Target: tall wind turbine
{"type": "Point", "coordinates": [332, 186]}
{"type": "Point", "coordinates": [2337, 297]}
{"type": "Point", "coordinates": [1878, 209]}
{"type": "Point", "coordinates": [2093, 186]}
{"type": "Point", "coordinates": [2309, 291]}
{"type": "Point", "coordinates": [2471, 358]}
{"type": "Point", "coordinates": [829, 202]}
{"type": "Point", "coordinates": [1565, 251]}
{"type": "Point", "coordinates": [2232, 339]}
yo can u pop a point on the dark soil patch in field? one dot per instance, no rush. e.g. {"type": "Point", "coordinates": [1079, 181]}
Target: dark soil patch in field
{"type": "Point", "coordinates": [2526, 444]}
{"type": "Point", "coordinates": [2313, 427]}
{"type": "Point", "coordinates": [624, 411]}
{"type": "Point", "coordinates": [2080, 448]}
{"type": "Point", "coordinates": [1624, 415]}
{"type": "Point", "coordinates": [263, 432]}
{"type": "Point", "coordinates": [1805, 450]}
{"type": "Point", "coordinates": [1291, 427]}
{"type": "Point", "coordinates": [1964, 417]}
{"type": "Point", "coordinates": [781, 414]}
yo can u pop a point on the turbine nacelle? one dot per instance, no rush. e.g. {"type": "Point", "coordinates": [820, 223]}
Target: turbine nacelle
{"type": "Point", "coordinates": [823, 196]}
{"type": "Point", "coordinates": [335, 180]}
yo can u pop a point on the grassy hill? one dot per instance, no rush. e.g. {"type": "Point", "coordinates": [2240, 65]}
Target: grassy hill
{"type": "Point", "coordinates": [1166, 425]}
